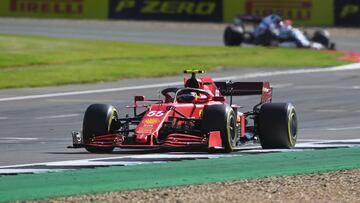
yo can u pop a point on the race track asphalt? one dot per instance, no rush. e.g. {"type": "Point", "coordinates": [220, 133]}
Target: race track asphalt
{"type": "Point", "coordinates": [38, 130]}
{"type": "Point", "coordinates": [151, 32]}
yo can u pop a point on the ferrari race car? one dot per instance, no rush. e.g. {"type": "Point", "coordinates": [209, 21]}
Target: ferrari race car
{"type": "Point", "coordinates": [197, 115]}
{"type": "Point", "coordinates": [272, 30]}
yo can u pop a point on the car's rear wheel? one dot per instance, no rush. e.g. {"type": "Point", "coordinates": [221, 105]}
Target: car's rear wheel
{"type": "Point", "coordinates": [221, 118]}
{"type": "Point", "coordinates": [99, 119]}
{"type": "Point", "coordinates": [277, 126]}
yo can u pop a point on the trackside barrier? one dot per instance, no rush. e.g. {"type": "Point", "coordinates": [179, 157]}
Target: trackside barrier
{"type": "Point", "coordinates": [90, 9]}
{"type": "Point", "coordinates": [303, 12]}
{"type": "Point", "coordinates": [347, 12]}
{"type": "Point", "coordinates": [168, 10]}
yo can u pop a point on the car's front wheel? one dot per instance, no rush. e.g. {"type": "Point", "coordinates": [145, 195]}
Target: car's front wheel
{"type": "Point", "coordinates": [99, 119]}
{"type": "Point", "coordinates": [221, 118]}
{"type": "Point", "coordinates": [323, 37]}
{"type": "Point", "coordinates": [233, 36]}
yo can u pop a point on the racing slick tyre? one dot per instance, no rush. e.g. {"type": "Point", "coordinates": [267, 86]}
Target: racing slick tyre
{"type": "Point", "coordinates": [277, 126]}
{"type": "Point", "coordinates": [233, 36]}
{"type": "Point", "coordinates": [99, 119]}
{"type": "Point", "coordinates": [221, 118]}
{"type": "Point", "coordinates": [332, 46]}
{"type": "Point", "coordinates": [323, 37]}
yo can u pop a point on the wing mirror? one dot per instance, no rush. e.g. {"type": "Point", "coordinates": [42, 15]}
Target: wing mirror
{"type": "Point", "coordinates": [220, 99]}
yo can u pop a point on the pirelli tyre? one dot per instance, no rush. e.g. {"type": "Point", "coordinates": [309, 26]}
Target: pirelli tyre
{"type": "Point", "coordinates": [233, 35]}
{"type": "Point", "coordinates": [221, 118]}
{"type": "Point", "coordinates": [277, 124]}
{"type": "Point", "coordinates": [99, 119]}
{"type": "Point", "coordinates": [323, 37]}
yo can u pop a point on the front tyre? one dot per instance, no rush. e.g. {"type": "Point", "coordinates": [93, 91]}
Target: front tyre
{"type": "Point", "coordinates": [99, 119]}
{"type": "Point", "coordinates": [233, 35]}
{"type": "Point", "coordinates": [323, 37]}
{"type": "Point", "coordinates": [221, 118]}
{"type": "Point", "coordinates": [277, 124]}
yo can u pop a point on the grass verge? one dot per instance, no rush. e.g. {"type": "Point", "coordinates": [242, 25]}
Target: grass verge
{"type": "Point", "coordinates": [27, 61]}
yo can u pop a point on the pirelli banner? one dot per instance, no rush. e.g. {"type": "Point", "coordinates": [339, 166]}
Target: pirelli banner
{"type": "Point", "coordinates": [168, 10]}
{"type": "Point", "coordinates": [96, 9]}
{"type": "Point", "coordinates": [302, 12]}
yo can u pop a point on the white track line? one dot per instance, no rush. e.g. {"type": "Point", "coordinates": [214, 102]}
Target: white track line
{"type": "Point", "coordinates": [355, 66]}
{"type": "Point", "coordinates": [340, 141]}
{"type": "Point", "coordinates": [333, 87]}
{"type": "Point", "coordinates": [121, 160]}
{"type": "Point", "coordinates": [17, 171]}
{"type": "Point", "coordinates": [18, 138]}
{"type": "Point", "coordinates": [331, 110]}
{"type": "Point", "coordinates": [88, 92]}
{"type": "Point", "coordinates": [344, 128]}
{"type": "Point", "coordinates": [282, 85]}
{"type": "Point", "coordinates": [57, 116]}
{"type": "Point", "coordinates": [97, 161]}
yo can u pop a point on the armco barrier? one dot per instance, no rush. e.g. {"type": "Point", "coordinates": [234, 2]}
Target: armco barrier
{"type": "Point", "coordinates": [95, 9]}
{"type": "Point", "coordinates": [347, 12]}
{"type": "Point", "coordinates": [303, 12]}
{"type": "Point", "coordinates": [169, 10]}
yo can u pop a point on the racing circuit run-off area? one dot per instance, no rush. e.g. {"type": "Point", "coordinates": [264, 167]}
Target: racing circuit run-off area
{"type": "Point", "coordinates": [179, 101]}
{"type": "Point", "coordinates": [308, 155]}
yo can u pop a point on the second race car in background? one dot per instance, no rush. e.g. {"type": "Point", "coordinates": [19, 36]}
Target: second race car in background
{"type": "Point", "coordinates": [272, 30]}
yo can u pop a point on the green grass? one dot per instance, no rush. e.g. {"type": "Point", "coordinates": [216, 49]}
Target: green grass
{"type": "Point", "coordinates": [27, 61]}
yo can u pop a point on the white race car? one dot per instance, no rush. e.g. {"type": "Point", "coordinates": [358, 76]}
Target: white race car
{"type": "Point", "coordinates": [272, 30]}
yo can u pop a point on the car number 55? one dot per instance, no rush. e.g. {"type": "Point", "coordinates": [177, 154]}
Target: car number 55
{"type": "Point", "coordinates": [155, 113]}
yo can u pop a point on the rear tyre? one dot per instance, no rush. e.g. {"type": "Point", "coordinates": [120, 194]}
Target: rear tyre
{"type": "Point", "coordinates": [277, 126]}
{"type": "Point", "coordinates": [233, 36]}
{"type": "Point", "coordinates": [221, 118]}
{"type": "Point", "coordinates": [99, 119]}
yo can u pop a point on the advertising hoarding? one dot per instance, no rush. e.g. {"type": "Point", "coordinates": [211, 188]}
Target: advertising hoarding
{"type": "Point", "coordinates": [302, 12]}
{"type": "Point", "coordinates": [167, 10]}
{"type": "Point", "coordinates": [55, 8]}
{"type": "Point", "coordinates": [347, 12]}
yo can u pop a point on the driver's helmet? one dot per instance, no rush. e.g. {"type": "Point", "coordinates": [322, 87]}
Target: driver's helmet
{"type": "Point", "coordinates": [187, 97]}
{"type": "Point", "coordinates": [192, 83]}
{"type": "Point", "coordinates": [288, 22]}
{"type": "Point", "coordinates": [274, 20]}
{"type": "Point", "coordinates": [237, 21]}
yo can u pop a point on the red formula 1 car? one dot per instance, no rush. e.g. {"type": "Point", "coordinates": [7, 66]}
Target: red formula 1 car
{"type": "Point", "coordinates": [196, 115]}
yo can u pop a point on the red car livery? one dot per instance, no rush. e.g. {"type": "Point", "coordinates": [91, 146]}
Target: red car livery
{"type": "Point", "coordinates": [194, 116]}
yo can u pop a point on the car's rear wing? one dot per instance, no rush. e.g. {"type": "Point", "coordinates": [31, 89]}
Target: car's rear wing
{"type": "Point", "coordinates": [246, 88]}
{"type": "Point", "coordinates": [250, 18]}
